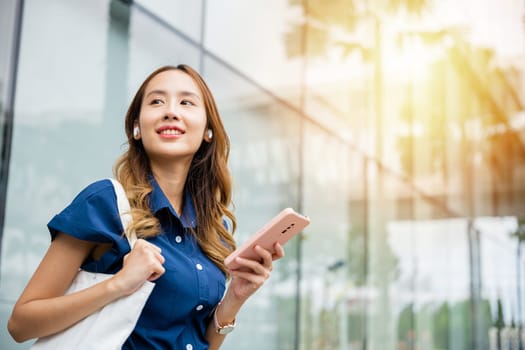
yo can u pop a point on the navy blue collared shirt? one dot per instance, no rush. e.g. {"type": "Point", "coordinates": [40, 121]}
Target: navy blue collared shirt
{"type": "Point", "coordinates": [177, 312]}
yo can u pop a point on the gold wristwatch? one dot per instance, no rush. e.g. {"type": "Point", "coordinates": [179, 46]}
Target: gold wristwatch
{"type": "Point", "coordinates": [227, 328]}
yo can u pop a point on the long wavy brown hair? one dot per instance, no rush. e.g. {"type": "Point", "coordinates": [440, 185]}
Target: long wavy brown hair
{"type": "Point", "coordinates": [208, 182]}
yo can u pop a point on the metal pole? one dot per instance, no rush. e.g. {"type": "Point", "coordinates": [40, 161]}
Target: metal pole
{"type": "Point", "coordinates": [519, 295]}
{"type": "Point", "coordinates": [8, 118]}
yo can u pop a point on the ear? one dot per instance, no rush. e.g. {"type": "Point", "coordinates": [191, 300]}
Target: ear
{"type": "Point", "coordinates": [136, 131]}
{"type": "Point", "coordinates": [208, 135]}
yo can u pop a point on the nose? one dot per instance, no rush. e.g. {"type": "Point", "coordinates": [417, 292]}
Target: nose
{"type": "Point", "coordinates": [169, 116]}
{"type": "Point", "coordinates": [172, 112]}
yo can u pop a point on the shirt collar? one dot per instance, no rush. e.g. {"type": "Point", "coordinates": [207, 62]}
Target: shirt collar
{"type": "Point", "coordinates": [158, 201]}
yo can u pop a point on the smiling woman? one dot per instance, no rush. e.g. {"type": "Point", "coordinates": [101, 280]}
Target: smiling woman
{"type": "Point", "coordinates": [172, 118]}
{"type": "Point", "coordinates": [177, 181]}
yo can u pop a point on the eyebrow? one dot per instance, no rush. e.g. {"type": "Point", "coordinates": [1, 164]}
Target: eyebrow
{"type": "Point", "coordinates": [180, 93]}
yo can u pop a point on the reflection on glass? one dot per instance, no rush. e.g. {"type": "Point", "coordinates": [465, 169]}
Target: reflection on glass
{"type": "Point", "coordinates": [153, 44]}
{"type": "Point", "coordinates": [333, 291]}
{"type": "Point", "coordinates": [184, 16]}
{"type": "Point", "coordinates": [264, 161]}
{"type": "Point", "coordinates": [249, 37]}
{"type": "Point", "coordinates": [410, 164]}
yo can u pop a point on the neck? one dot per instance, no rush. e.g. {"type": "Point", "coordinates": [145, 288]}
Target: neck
{"type": "Point", "coordinates": [171, 179]}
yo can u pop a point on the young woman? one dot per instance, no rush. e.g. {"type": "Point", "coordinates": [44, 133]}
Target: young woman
{"type": "Point", "coordinates": [176, 178]}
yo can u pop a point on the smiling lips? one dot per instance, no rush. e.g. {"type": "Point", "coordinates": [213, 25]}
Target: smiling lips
{"type": "Point", "coordinates": [170, 131]}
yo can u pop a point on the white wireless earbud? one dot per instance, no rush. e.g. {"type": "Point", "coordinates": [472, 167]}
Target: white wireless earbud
{"type": "Point", "coordinates": [209, 133]}
{"type": "Point", "coordinates": [136, 133]}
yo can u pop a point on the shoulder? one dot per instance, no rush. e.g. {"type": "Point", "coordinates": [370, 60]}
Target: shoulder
{"type": "Point", "coordinates": [97, 189]}
{"type": "Point", "coordinates": [93, 214]}
{"type": "Point", "coordinates": [93, 199]}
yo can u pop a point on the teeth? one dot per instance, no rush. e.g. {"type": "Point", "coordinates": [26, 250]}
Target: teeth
{"type": "Point", "coordinates": [170, 132]}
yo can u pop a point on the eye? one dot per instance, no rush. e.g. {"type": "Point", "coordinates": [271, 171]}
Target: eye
{"type": "Point", "coordinates": [187, 103]}
{"type": "Point", "coordinates": [156, 101]}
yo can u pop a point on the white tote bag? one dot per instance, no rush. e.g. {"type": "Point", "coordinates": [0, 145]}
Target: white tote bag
{"type": "Point", "coordinates": [109, 327]}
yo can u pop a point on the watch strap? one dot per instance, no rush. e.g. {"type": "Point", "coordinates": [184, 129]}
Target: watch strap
{"type": "Point", "coordinates": [222, 329]}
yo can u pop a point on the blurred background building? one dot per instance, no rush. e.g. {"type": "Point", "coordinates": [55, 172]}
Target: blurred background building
{"type": "Point", "coordinates": [398, 126]}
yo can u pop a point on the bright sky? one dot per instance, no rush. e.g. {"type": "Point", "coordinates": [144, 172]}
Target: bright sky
{"type": "Point", "coordinates": [495, 24]}
{"type": "Point", "coordinates": [499, 24]}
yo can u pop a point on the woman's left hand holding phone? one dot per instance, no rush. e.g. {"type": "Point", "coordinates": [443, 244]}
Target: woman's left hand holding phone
{"type": "Point", "coordinates": [252, 274]}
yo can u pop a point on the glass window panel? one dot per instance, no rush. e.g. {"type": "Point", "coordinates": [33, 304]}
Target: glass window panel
{"type": "Point", "coordinates": [60, 110]}
{"type": "Point", "coordinates": [77, 90]}
{"type": "Point", "coordinates": [389, 261]}
{"type": "Point", "coordinates": [250, 36]}
{"type": "Point", "coordinates": [385, 266]}
{"type": "Point", "coordinates": [418, 265]}
{"type": "Point", "coordinates": [502, 275]}
{"type": "Point", "coordinates": [183, 15]}
{"type": "Point", "coordinates": [264, 161]}
{"type": "Point", "coordinates": [333, 286]}
{"type": "Point", "coordinates": [151, 45]}
{"type": "Point", "coordinates": [337, 96]}
{"type": "Point", "coordinates": [7, 22]}
{"type": "Point", "coordinates": [57, 104]}
{"type": "Point", "coordinates": [441, 282]}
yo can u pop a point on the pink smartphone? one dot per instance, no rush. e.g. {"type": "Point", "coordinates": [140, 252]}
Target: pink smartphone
{"type": "Point", "coordinates": [280, 229]}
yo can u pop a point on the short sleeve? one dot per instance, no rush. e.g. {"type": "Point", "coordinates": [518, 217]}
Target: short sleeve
{"type": "Point", "coordinates": [93, 216]}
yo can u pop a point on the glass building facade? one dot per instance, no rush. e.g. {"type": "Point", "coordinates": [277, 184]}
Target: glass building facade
{"type": "Point", "coordinates": [397, 126]}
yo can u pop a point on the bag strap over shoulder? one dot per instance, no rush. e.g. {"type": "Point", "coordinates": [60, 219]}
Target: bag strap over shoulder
{"type": "Point", "coordinates": [124, 211]}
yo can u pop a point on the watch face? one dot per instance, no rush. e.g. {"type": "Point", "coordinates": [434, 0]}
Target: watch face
{"type": "Point", "coordinates": [225, 329]}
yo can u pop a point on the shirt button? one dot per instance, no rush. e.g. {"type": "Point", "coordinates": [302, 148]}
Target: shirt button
{"type": "Point", "coordinates": [178, 239]}
{"type": "Point", "coordinates": [189, 347]}
{"type": "Point", "coordinates": [199, 307]}
{"type": "Point", "coordinates": [199, 267]}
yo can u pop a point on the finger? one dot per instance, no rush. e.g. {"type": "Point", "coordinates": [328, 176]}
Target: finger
{"type": "Point", "coordinates": [278, 251]}
{"type": "Point", "coordinates": [150, 250]}
{"type": "Point", "coordinates": [254, 279]}
{"type": "Point", "coordinates": [159, 257]}
{"type": "Point", "coordinates": [154, 247]}
{"type": "Point", "coordinates": [265, 255]}
{"type": "Point", "coordinates": [157, 273]}
{"type": "Point", "coordinates": [143, 244]}
{"type": "Point", "coordinates": [254, 266]}
{"type": "Point", "coordinates": [156, 260]}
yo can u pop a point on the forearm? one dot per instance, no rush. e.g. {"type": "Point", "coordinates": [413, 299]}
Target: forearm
{"type": "Point", "coordinates": [214, 339]}
{"type": "Point", "coordinates": [245, 281]}
{"type": "Point", "coordinates": [41, 317]}
{"type": "Point", "coordinates": [226, 313]}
